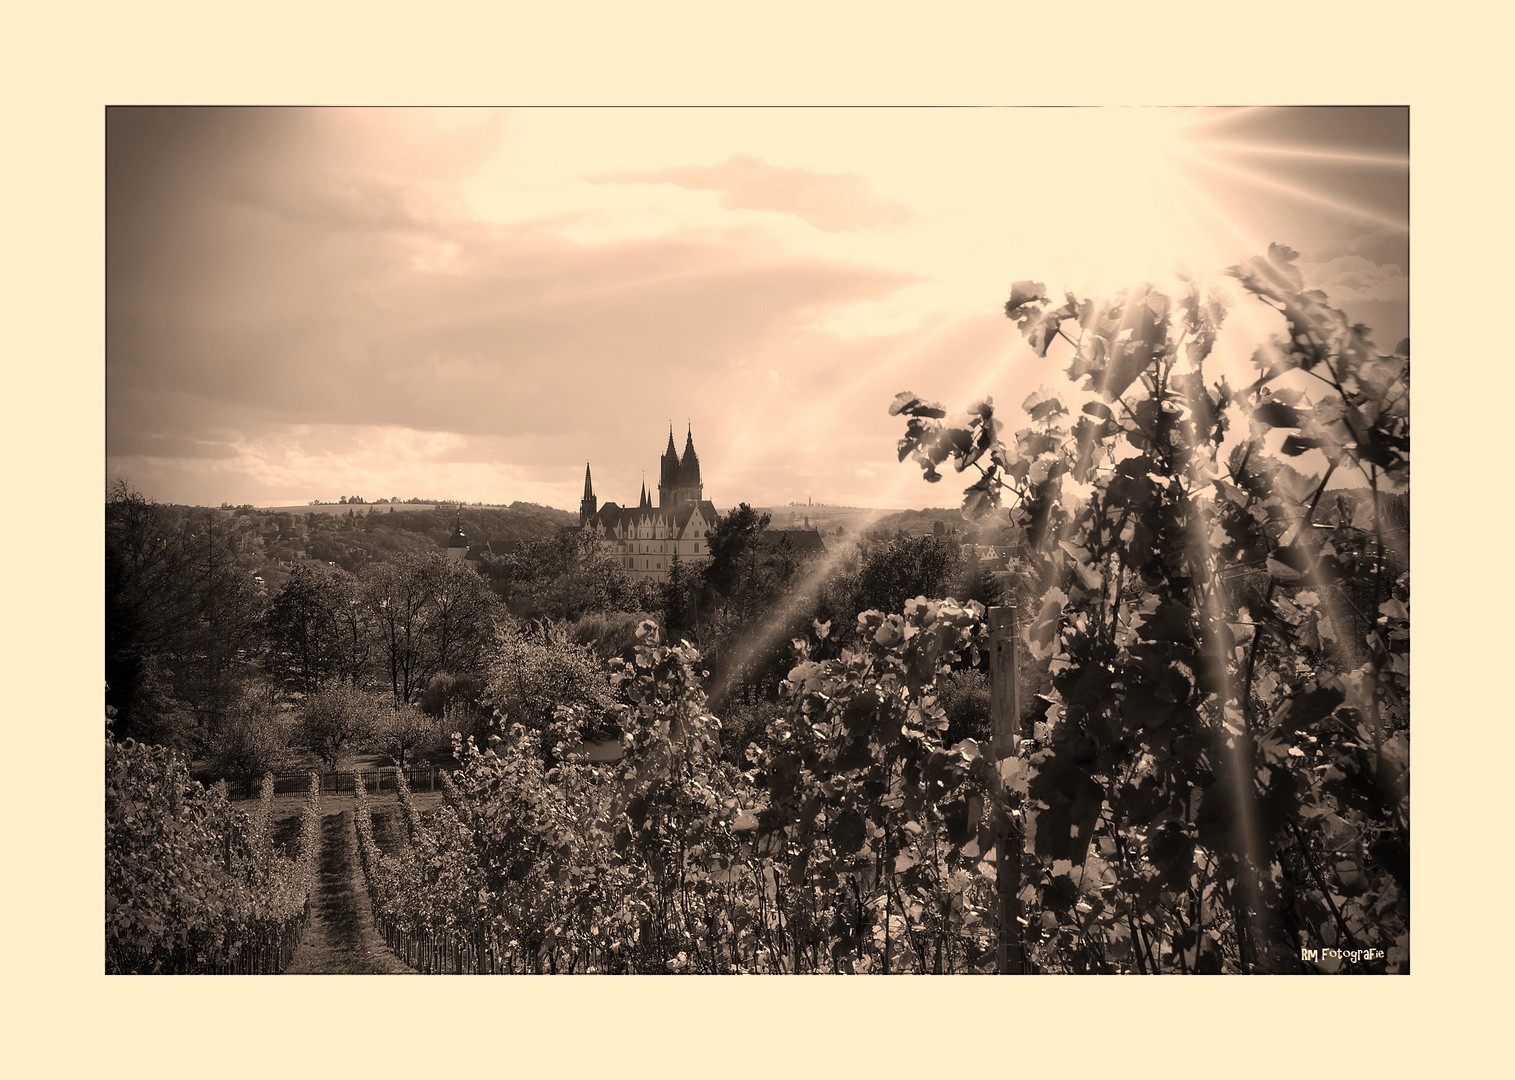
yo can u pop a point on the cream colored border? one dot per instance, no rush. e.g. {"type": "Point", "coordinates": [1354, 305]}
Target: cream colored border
{"type": "Point", "coordinates": [65, 65]}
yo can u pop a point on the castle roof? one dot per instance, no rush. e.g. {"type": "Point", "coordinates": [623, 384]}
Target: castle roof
{"type": "Point", "coordinates": [611, 517]}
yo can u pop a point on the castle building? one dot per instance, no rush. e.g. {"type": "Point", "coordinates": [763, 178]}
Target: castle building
{"type": "Point", "coordinates": [646, 539]}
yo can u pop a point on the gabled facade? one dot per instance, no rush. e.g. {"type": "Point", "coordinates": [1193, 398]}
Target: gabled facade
{"type": "Point", "coordinates": [646, 538]}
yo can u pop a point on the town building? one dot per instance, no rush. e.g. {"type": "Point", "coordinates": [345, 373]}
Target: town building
{"type": "Point", "coordinates": [646, 539]}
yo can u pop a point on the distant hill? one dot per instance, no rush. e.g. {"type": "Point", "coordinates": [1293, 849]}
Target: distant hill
{"type": "Point", "coordinates": [274, 539]}
{"type": "Point", "coordinates": [827, 519]}
{"type": "Point", "coordinates": [858, 520]}
{"type": "Point", "coordinates": [383, 507]}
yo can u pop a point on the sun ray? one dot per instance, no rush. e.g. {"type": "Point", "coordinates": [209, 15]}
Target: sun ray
{"type": "Point", "coordinates": [1297, 192]}
{"type": "Point", "coordinates": [1274, 150]}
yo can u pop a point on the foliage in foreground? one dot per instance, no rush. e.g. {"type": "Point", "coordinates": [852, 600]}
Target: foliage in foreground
{"type": "Point", "coordinates": [851, 845]}
{"type": "Point", "coordinates": [1223, 780]}
{"type": "Point", "coordinates": [192, 885]}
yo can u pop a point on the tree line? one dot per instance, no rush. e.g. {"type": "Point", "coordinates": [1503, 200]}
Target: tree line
{"type": "Point", "coordinates": [217, 647]}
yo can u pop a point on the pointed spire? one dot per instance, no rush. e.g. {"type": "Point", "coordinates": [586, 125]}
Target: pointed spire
{"type": "Point", "coordinates": [689, 468]}
{"type": "Point", "coordinates": [588, 505]}
{"type": "Point", "coordinates": [669, 477]}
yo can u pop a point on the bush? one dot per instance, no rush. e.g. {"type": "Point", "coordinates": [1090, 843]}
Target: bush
{"type": "Point", "coordinates": [965, 697]}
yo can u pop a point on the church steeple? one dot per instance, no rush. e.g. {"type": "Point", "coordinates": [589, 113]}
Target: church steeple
{"type": "Point", "coordinates": [668, 482]}
{"type": "Point", "coordinates": [645, 503]}
{"type": "Point", "coordinates": [588, 504]}
{"type": "Point", "coordinates": [689, 468]}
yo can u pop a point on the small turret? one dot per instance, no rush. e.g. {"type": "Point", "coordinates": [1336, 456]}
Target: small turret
{"type": "Point", "coordinates": [457, 547]}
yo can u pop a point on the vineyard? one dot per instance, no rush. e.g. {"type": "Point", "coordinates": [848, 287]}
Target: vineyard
{"type": "Point", "coordinates": [1206, 771]}
{"type": "Point", "coordinates": [193, 886]}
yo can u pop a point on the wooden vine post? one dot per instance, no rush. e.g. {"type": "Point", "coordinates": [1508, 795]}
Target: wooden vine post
{"type": "Point", "coordinates": [1005, 713]}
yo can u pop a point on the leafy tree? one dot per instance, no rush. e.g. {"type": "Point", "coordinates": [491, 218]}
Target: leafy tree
{"type": "Point", "coordinates": [398, 598]}
{"type": "Point", "coordinates": [735, 569]}
{"type": "Point", "coordinates": [540, 670]}
{"type": "Point", "coordinates": [182, 609]}
{"type": "Point", "coordinates": [459, 702]}
{"type": "Point", "coordinates": [402, 730]}
{"type": "Point", "coordinates": [316, 628]}
{"type": "Point", "coordinates": [902, 569]}
{"type": "Point", "coordinates": [564, 578]}
{"type": "Point", "coordinates": [336, 719]}
{"type": "Point", "coordinates": [461, 625]}
{"type": "Point", "coordinates": [252, 739]}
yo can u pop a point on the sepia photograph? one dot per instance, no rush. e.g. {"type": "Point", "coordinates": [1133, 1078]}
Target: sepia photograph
{"type": "Point", "coordinates": [757, 540]}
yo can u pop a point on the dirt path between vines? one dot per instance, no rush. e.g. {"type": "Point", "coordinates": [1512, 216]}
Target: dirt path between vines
{"type": "Point", "coordinates": [341, 939]}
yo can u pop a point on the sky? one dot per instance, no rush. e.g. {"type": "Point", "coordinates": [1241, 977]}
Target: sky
{"type": "Point", "coordinates": [470, 304]}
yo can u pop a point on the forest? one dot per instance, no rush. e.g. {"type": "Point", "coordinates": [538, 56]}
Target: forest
{"type": "Point", "coordinates": [1211, 766]}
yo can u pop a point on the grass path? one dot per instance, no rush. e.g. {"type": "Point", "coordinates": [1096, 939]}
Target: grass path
{"type": "Point", "coordinates": [341, 939]}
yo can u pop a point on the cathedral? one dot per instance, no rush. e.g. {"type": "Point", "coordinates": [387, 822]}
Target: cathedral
{"type": "Point", "coordinates": [647, 539]}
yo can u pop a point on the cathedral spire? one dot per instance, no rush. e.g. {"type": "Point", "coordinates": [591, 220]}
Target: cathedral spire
{"type": "Point", "coordinates": [689, 468]}
{"type": "Point", "coordinates": [588, 505]}
{"type": "Point", "coordinates": [668, 479]}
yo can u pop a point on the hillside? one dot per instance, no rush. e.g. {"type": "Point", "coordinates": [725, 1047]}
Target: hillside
{"type": "Point", "coordinates": [857, 520]}
{"type": "Point", "coordinates": [271, 540]}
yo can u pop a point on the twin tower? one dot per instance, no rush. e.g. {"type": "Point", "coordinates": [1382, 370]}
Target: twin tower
{"type": "Point", "coordinates": [679, 483]}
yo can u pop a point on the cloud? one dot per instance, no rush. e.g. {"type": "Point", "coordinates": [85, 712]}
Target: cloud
{"type": "Point", "coordinates": [1349, 278]}
{"type": "Point", "coordinates": [832, 202]}
{"type": "Point", "coordinates": [276, 314]}
{"type": "Point", "coordinates": [1384, 246]}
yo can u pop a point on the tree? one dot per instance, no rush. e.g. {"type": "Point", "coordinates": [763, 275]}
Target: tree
{"type": "Point", "coordinates": [734, 542]}
{"type": "Point", "coordinates": [402, 730]}
{"type": "Point", "coordinates": [336, 719]}
{"type": "Point", "coordinates": [312, 628]}
{"type": "Point", "coordinates": [144, 586]}
{"type": "Point", "coordinates": [252, 739]}
{"type": "Point", "coordinates": [398, 598]}
{"type": "Point", "coordinates": [461, 625]}
{"type": "Point", "coordinates": [565, 577]}
{"type": "Point", "coordinates": [904, 568]}
{"type": "Point", "coordinates": [181, 601]}
{"type": "Point", "coordinates": [540, 670]}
